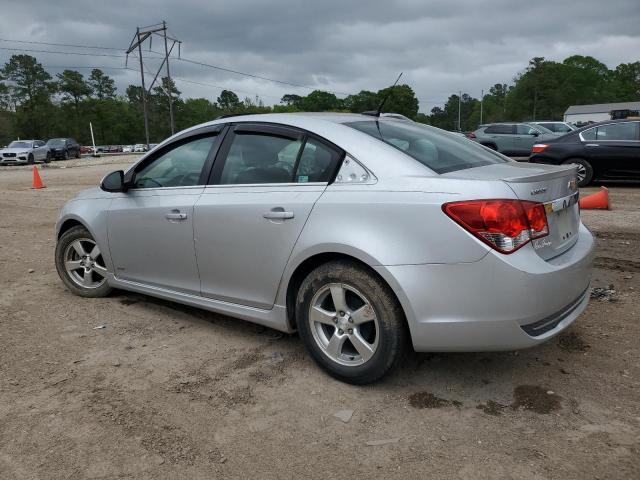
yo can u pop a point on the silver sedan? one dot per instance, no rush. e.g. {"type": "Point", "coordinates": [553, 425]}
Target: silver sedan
{"type": "Point", "coordinates": [360, 233]}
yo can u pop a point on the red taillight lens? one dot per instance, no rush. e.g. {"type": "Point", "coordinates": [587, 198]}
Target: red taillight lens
{"type": "Point", "coordinates": [504, 225]}
{"type": "Point", "coordinates": [471, 135]}
{"type": "Point", "coordinates": [539, 147]}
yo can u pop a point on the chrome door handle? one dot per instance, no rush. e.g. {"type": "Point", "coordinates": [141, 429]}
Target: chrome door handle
{"type": "Point", "coordinates": [277, 214]}
{"type": "Point", "coordinates": [176, 216]}
{"type": "Point", "coordinates": [592, 145]}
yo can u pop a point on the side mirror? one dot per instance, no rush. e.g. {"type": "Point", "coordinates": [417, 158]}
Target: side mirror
{"type": "Point", "coordinates": [113, 182]}
{"type": "Point", "coordinates": [535, 134]}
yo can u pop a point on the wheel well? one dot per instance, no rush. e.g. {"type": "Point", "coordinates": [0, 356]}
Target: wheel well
{"type": "Point", "coordinates": [489, 145]}
{"type": "Point", "coordinates": [67, 225]}
{"type": "Point", "coordinates": [309, 265]}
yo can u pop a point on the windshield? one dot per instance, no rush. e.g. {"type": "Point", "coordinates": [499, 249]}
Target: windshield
{"type": "Point", "coordinates": [441, 151]}
{"type": "Point", "coordinates": [56, 141]}
{"type": "Point", "coordinates": [19, 144]}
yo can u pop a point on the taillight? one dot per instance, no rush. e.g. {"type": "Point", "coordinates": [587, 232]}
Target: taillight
{"type": "Point", "coordinates": [505, 225]}
{"type": "Point", "coordinates": [539, 147]}
{"type": "Point", "coordinates": [471, 135]}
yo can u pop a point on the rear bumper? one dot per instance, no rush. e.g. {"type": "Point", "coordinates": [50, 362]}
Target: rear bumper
{"type": "Point", "coordinates": [497, 303]}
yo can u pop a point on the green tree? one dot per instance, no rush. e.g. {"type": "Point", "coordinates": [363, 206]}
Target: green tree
{"type": "Point", "coordinates": [291, 100]}
{"type": "Point", "coordinates": [362, 102]}
{"type": "Point", "coordinates": [102, 86]}
{"type": "Point", "coordinates": [320, 101]}
{"type": "Point", "coordinates": [402, 100]}
{"type": "Point", "coordinates": [228, 101]}
{"type": "Point", "coordinates": [31, 88]}
{"type": "Point", "coordinates": [73, 88]}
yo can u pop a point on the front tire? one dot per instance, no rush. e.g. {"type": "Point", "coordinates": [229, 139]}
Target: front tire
{"type": "Point", "coordinates": [350, 322]}
{"type": "Point", "coordinates": [48, 158]}
{"type": "Point", "coordinates": [585, 170]}
{"type": "Point", "coordinates": [80, 264]}
{"type": "Point", "coordinates": [30, 159]}
{"type": "Point", "coordinates": [78, 153]}
{"type": "Point", "coordinates": [66, 155]}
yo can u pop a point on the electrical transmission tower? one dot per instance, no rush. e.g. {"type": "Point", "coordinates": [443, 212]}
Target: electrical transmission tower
{"type": "Point", "coordinates": [141, 35]}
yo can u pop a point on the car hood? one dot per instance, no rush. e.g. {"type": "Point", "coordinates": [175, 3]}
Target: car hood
{"type": "Point", "coordinates": [15, 150]}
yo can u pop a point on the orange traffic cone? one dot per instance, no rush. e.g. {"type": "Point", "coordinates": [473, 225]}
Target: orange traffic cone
{"type": "Point", "coordinates": [37, 181]}
{"type": "Point", "coordinates": [596, 201]}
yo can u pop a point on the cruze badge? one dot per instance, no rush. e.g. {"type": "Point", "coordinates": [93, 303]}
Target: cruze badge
{"type": "Point", "coordinates": [537, 191]}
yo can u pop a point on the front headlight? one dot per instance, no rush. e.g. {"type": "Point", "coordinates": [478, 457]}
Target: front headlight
{"type": "Point", "coordinates": [23, 153]}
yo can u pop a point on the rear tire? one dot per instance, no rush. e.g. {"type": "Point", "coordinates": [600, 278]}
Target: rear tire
{"type": "Point", "coordinates": [585, 170]}
{"type": "Point", "coordinates": [48, 158]}
{"type": "Point", "coordinates": [74, 247]}
{"type": "Point", "coordinates": [78, 153]}
{"type": "Point", "coordinates": [366, 322]}
{"type": "Point", "coordinates": [65, 156]}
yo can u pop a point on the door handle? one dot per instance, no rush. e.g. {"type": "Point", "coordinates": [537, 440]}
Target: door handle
{"type": "Point", "coordinates": [175, 215]}
{"type": "Point", "coordinates": [278, 214]}
{"type": "Point", "coordinates": [592, 145]}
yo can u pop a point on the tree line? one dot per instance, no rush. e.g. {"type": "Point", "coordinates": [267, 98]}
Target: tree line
{"type": "Point", "coordinates": [35, 104]}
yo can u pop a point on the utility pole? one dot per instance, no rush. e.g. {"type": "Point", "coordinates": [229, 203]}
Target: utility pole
{"type": "Point", "coordinates": [459, 109]}
{"type": "Point", "coordinates": [141, 35]}
{"type": "Point", "coordinates": [166, 56]}
{"type": "Point", "coordinates": [481, 100]}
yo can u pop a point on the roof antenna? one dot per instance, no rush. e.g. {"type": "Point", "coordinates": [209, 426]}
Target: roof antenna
{"type": "Point", "coordinates": [377, 112]}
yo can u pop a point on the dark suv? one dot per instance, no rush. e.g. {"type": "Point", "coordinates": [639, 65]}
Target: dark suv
{"type": "Point", "coordinates": [63, 148]}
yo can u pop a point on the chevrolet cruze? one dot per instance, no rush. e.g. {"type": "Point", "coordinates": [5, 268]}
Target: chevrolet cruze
{"type": "Point", "coordinates": [361, 233]}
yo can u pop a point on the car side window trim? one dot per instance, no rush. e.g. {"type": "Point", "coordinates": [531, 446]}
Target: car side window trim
{"type": "Point", "coordinates": [218, 131]}
{"type": "Point", "coordinates": [612, 140]}
{"type": "Point", "coordinates": [284, 131]}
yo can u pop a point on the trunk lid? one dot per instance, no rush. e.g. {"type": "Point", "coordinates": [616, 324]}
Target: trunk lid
{"type": "Point", "coordinates": [554, 186]}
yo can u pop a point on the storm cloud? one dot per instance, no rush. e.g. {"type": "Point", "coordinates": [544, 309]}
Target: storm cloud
{"type": "Point", "coordinates": [441, 46]}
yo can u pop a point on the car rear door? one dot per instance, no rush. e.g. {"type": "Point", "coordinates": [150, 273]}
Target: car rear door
{"type": "Point", "coordinates": [501, 135]}
{"type": "Point", "coordinates": [150, 227]}
{"type": "Point", "coordinates": [524, 138]}
{"type": "Point", "coordinates": [265, 181]}
{"type": "Point", "coordinates": [614, 149]}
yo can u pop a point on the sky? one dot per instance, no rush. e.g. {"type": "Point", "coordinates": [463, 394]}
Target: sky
{"type": "Point", "coordinates": [344, 47]}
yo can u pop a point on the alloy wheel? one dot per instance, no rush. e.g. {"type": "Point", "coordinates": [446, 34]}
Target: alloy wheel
{"type": "Point", "coordinates": [84, 264]}
{"type": "Point", "coordinates": [582, 172]}
{"type": "Point", "coordinates": [344, 324]}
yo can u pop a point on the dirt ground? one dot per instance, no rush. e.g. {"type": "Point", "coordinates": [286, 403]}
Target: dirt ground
{"type": "Point", "coordinates": [167, 391]}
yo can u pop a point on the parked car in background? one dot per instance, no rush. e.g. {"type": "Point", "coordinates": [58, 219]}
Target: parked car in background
{"type": "Point", "coordinates": [25, 151]}
{"type": "Point", "coordinates": [114, 149]}
{"type": "Point", "coordinates": [557, 127]}
{"type": "Point", "coordinates": [607, 150]}
{"type": "Point", "coordinates": [139, 147]}
{"type": "Point", "coordinates": [86, 149]}
{"type": "Point", "coordinates": [127, 149]}
{"type": "Point", "coordinates": [63, 148]}
{"type": "Point", "coordinates": [364, 234]}
{"type": "Point", "coordinates": [515, 139]}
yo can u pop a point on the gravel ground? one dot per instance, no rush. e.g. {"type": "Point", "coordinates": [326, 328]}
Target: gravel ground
{"type": "Point", "coordinates": [167, 391]}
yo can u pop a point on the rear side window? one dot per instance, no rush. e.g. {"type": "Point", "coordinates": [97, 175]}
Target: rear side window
{"type": "Point", "coordinates": [618, 131]}
{"type": "Point", "coordinates": [441, 151]}
{"type": "Point", "coordinates": [500, 129]}
{"type": "Point", "coordinates": [264, 158]}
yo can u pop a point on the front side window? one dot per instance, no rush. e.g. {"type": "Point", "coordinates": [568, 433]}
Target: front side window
{"type": "Point", "coordinates": [618, 131]}
{"type": "Point", "coordinates": [525, 130]}
{"type": "Point", "coordinates": [179, 167]}
{"type": "Point", "coordinates": [436, 149]}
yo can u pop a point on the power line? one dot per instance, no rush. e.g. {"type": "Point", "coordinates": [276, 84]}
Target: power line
{"type": "Point", "coordinates": [63, 53]}
{"type": "Point", "coordinates": [33, 42]}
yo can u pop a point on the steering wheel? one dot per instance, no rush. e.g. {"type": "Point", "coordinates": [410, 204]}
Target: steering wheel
{"type": "Point", "coordinates": [149, 179]}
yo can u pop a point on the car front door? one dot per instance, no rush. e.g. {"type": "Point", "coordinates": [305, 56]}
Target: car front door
{"type": "Point", "coordinates": [501, 134]}
{"type": "Point", "coordinates": [614, 149]}
{"type": "Point", "coordinates": [524, 139]}
{"type": "Point", "coordinates": [264, 184]}
{"type": "Point", "coordinates": [150, 227]}
{"type": "Point", "coordinates": [39, 151]}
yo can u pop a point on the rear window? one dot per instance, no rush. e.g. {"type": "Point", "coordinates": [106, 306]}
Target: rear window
{"type": "Point", "coordinates": [441, 151]}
